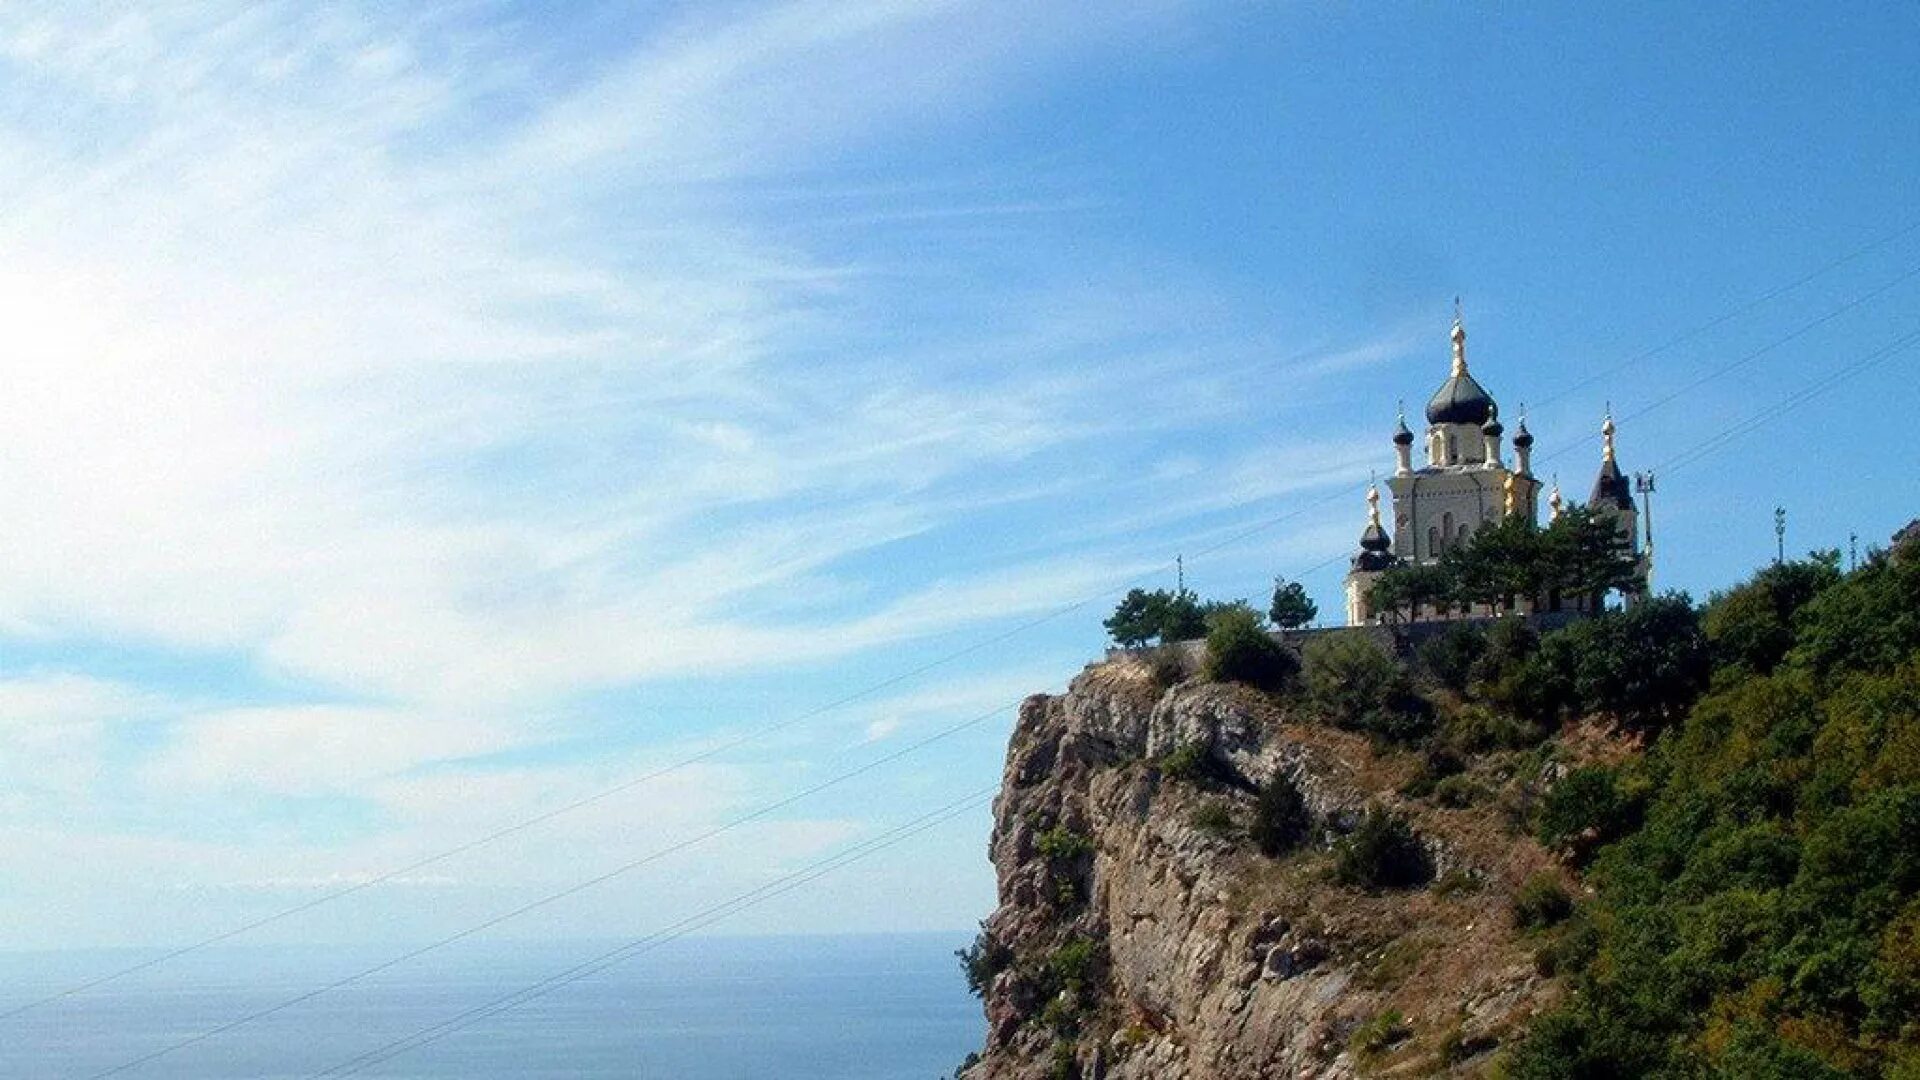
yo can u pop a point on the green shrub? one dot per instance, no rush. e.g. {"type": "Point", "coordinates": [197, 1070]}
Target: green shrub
{"type": "Point", "coordinates": [1187, 762]}
{"type": "Point", "coordinates": [1476, 729]}
{"type": "Point", "coordinates": [1540, 903]}
{"type": "Point", "coordinates": [1063, 1066]}
{"type": "Point", "coordinates": [1281, 821]}
{"type": "Point", "coordinates": [1450, 655]}
{"type": "Point", "coordinates": [1239, 649]}
{"type": "Point", "coordinates": [983, 960]}
{"type": "Point", "coordinates": [1381, 853]}
{"type": "Point", "coordinates": [1213, 817]}
{"type": "Point", "coordinates": [1458, 792]}
{"type": "Point", "coordinates": [1361, 688]}
{"type": "Point", "coordinates": [1586, 807]}
{"type": "Point", "coordinates": [1437, 763]}
{"type": "Point", "coordinates": [1372, 1038]}
{"type": "Point", "coordinates": [1073, 966]}
{"type": "Point", "coordinates": [1062, 845]}
{"type": "Point", "coordinates": [1457, 882]}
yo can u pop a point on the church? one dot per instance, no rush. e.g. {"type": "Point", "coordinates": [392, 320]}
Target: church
{"type": "Point", "coordinates": [1465, 484]}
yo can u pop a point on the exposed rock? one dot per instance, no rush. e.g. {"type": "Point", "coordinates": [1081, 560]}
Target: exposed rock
{"type": "Point", "coordinates": [1207, 960]}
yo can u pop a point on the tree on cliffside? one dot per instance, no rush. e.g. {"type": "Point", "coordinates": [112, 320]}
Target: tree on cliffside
{"type": "Point", "coordinates": [1292, 607]}
{"type": "Point", "coordinates": [1158, 616]}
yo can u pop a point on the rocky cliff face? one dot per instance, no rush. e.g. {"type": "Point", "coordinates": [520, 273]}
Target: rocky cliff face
{"type": "Point", "coordinates": [1140, 934]}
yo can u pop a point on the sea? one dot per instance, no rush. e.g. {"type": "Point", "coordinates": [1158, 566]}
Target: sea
{"type": "Point", "coordinates": [881, 1007]}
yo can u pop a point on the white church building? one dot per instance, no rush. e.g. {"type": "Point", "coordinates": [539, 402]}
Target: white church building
{"type": "Point", "coordinates": [1463, 484]}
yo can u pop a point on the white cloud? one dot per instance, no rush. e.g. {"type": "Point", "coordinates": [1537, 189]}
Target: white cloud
{"type": "Point", "coordinates": [391, 358]}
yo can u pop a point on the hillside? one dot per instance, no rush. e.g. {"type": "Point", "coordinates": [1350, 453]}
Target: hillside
{"type": "Point", "coordinates": [1674, 841]}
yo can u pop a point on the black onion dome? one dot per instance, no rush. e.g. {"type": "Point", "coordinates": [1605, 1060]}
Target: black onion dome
{"type": "Point", "coordinates": [1460, 400]}
{"type": "Point", "coordinates": [1403, 437]}
{"type": "Point", "coordinates": [1376, 549]}
{"type": "Point", "coordinates": [1523, 438]}
{"type": "Point", "coordinates": [1611, 487]}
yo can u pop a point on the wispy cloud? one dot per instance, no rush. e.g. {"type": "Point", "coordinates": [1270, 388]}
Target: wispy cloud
{"type": "Point", "coordinates": [455, 372]}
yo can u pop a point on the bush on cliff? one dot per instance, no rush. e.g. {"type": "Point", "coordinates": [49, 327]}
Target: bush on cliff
{"type": "Point", "coordinates": [1239, 649]}
{"type": "Point", "coordinates": [1361, 688]}
{"type": "Point", "coordinates": [1381, 853]}
{"type": "Point", "coordinates": [1280, 818]}
{"type": "Point", "coordinates": [983, 960]}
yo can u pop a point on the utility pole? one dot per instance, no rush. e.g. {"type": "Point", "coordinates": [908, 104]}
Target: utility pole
{"type": "Point", "coordinates": [1180, 575]}
{"type": "Point", "coordinates": [1779, 535]}
{"type": "Point", "coordinates": [1853, 552]}
{"type": "Point", "coordinates": [1643, 485]}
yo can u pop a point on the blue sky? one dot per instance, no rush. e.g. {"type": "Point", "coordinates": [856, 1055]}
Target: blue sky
{"type": "Point", "coordinates": [413, 420]}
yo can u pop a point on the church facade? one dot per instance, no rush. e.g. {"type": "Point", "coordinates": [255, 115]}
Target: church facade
{"type": "Point", "coordinates": [1464, 483]}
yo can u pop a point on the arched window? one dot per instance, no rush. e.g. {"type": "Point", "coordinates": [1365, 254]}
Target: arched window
{"type": "Point", "coordinates": [1465, 530]}
{"type": "Point", "coordinates": [1453, 448]}
{"type": "Point", "coordinates": [1433, 540]}
{"type": "Point", "coordinates": [1446, 529]}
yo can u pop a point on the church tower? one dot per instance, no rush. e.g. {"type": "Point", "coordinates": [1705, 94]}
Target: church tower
{"type": "Point", "coordinates": [1613, 498]}
{"type": "Point", "coordinates": [1375, 555]}
{"type": "Point", "coordinates": [1462, 484]}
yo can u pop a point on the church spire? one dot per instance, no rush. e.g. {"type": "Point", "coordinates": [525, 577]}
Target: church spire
{"type": "Point", "coordinates": [1606, 437]}
{"type": "Point", "coordinates": [1554, 500]}
{"type": "Point", "coordinates": [1459, 341]}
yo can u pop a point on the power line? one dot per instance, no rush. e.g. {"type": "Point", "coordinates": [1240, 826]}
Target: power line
{"type": "Point", "coordinates": [1805, 393]}
{"type": "Point", "coordinates": [1720, 320]}
{"type": "Point", "coordinates": [755, 734]}
{"type": "Point", "coordinates": [557, 895]}
{"type": "Point", "coordinates": [697, 921]}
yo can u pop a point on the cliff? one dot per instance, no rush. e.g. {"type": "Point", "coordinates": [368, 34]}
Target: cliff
{"type": "Point", "coordinates": [1141, 932]}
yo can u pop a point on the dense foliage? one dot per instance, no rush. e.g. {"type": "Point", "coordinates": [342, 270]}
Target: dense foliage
{"type": "Point", "coordinates": [1239, 649]}
{"type": "Point", "coordinates": [1281, 821]}
{"type": "Point", "coordinates": [1580, 556]}
{"type": "Point", "coordinates": [1291, 607]}
{"type": "Point", "coordinates": [1382, 852]}
{"type": "Point", "coordinates": [1756, 876]}
{"type": "Point", "coordinates": [1357, 685]}
{"type": "Point", "coordinates": [1159, 616]}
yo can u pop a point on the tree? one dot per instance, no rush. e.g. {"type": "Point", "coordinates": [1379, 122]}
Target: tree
{"type": "Point", "coordinates": [1239, 649]}
{"type": "Point", "coordinates": [1644, 665]}
{"type": "Point", "coordinates": [1408, 587]}
{"type": "Point", "coordinates": [1502, 561]}
{"type": "Point", "coordinates": [1870, 619]}
{"type": "Point", "coordinates": [1159, 616]}
{"type": "Point", "coordinates": [1292, 607]}
{"type": "Point", "coordinates": [1583, 554]}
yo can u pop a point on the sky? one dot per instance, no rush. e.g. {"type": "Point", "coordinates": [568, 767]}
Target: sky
{"type": "Point", "coordinates": [413, 420]}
